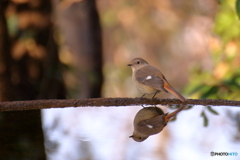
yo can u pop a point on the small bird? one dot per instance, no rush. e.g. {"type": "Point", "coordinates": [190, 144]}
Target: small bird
{"type": "Point", "coordinates": [149, 80]}
{"type": "Point", "coordinates": [149, 121]}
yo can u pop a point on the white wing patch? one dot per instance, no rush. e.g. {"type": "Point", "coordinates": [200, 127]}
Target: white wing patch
{"type": "Point", "coordinates": [149, 126]}
{"type": "Point", "coordinates": [149, 77]}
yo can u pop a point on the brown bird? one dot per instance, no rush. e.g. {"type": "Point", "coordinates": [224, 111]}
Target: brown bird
{"type": "Point", "coordinates": [149, 121]}
{"type": "Point", "coordinates": [149, 80]}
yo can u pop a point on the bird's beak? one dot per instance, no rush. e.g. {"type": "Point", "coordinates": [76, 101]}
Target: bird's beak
{"type": "Point", "coordinates": [131, 136]}
{"type": "Point", "coordinates": [129, 65]}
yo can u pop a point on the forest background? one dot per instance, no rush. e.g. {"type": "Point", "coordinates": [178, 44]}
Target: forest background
{"type": "Point", "coordinates": [80, 49]}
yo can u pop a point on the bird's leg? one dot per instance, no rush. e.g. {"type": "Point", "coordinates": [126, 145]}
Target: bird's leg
{"type": "Point", "coordinates": [155, 95]}
{"type": "Point", "coordinates": [142, 97]}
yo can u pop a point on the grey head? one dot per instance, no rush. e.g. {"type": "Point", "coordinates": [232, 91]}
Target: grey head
{"type": "Point", "coordinates": [137, 63]}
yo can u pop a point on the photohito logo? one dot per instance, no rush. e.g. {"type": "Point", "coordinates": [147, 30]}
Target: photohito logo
{"type": "Point", "coordinates": [223, 153]}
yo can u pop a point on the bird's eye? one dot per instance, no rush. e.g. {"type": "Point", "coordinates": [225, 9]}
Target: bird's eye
{"type": "Point", "coordinates": [138, 62]}
{"type": "Point", "coordinates": [140, 138]}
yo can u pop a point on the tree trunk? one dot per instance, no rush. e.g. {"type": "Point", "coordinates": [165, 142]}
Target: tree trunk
{"type": "Point", "coordinates": [82, 31]}
{"type": "Point", "coordinates": [27, 74]}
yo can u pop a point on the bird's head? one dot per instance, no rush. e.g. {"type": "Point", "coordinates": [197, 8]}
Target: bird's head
{"type": "Point", "coordinates": [137, 63]}
{"type": "Point", "coordinates": [138, 137]}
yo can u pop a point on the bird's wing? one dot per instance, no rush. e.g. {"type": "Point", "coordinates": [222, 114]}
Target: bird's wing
{"type": "Point", "coordinates": [152, 77]}
{"type": "Point", "coordinates": [147, 76]}
{"type": "Point", "coordinates": [152, 125]}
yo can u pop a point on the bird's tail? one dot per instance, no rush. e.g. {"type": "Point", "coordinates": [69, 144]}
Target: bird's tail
{"type": "Point", "coordinates": [169, 116]}
{"type": "Point", "coordinates": [170, 89]}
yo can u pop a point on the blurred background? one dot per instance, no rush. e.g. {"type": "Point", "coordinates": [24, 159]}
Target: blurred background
{"type": "Point", "coordinates": [81, 48]}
